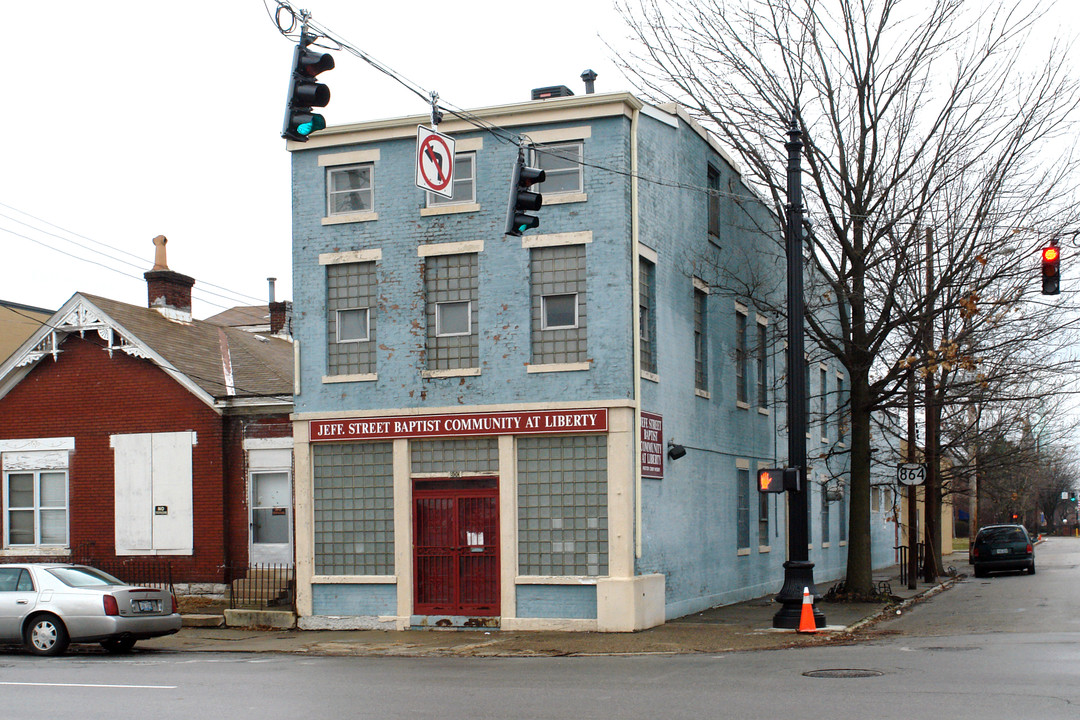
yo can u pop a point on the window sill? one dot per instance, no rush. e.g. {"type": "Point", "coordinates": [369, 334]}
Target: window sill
{"type": "Point", "coordinates": [558, 367]}
{"type": "Point", "coordinates": [652, 377]}
{"type": "Point", "coordinates": [360, 377]}
{"type": "Point", "coordinates": [763, 411]}
{"type": "Point", "coordinates": [826, 545]}
{"type": "Point", "coordinates": [352, 218]}
{"type": "Point", "coordinates": [449, 209]}
{"type": "Point", "coordinates": [34, 551]}
{"type": "Point", "coordinates": [564, 198]}
{"type": "Point", "coordinates": [702, 393]}
{"type": "Point", "coordinates": [742, 405]}
{"type": "Point", "coordinates": [743, 552]}
{"type": "Point", "coordinates": [456, 372]}
{"type": "Point", "coordinates": [764, 548]}
{"type": "Point", "coordinates": [353, 579]}
{"type": "Point", "coordinates": [557, 579]}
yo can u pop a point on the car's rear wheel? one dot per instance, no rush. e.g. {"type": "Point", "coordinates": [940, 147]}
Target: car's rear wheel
{"type": "Point", "coordinates": [46, 635]}
{"type": "Point", "coordinates": [1031, 568]}
{"type": "Point", "coordinates": [979, 572]}
{"type": "Point", "coordinates": [118, 645]}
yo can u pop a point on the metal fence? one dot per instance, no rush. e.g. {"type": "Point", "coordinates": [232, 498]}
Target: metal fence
{"type": "Point", "coordinates": [262, 586]}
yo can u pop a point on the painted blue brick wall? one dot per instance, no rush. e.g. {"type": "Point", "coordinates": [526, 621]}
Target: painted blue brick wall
{"type": "Point", "coordinates": [346, 600]}
{"type": "Point", "coordinates": [556, 601]}
{"type": "Point", "coordinates": [504, 306]}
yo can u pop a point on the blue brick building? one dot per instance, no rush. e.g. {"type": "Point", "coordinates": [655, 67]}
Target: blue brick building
{"type": "Point", "coordinates": [483, 422]}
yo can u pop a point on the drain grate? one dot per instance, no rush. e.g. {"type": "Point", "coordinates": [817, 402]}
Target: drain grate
{"type": "Point", "coordinates": [843, 673]}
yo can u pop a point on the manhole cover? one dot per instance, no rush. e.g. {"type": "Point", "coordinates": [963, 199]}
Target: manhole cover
{"type": "Point", "coordinates": [843, 673]}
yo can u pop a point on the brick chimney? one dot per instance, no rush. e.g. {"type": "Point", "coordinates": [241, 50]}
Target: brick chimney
{"type": "Point", "coordinates": [280, 313]}
{"type": "Point", "coordinates": [168, 292]}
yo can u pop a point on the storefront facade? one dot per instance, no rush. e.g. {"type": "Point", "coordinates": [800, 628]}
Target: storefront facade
{"type": "Point", "coordinates": [520, 518]}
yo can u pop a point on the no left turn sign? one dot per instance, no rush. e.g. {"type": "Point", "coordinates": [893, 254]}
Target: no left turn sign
{"type": "Point", "coordinates": [434, 162]}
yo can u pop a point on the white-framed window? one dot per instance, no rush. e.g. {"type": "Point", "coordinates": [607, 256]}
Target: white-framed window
{"type": "Point", "coordinates": [742, 513]}
{"type": "Point", "coordinates": [352, 325]}
{"type": "Point", "coordinates": [559, 312]}
{"type": "Point", "coordinates": [453, 318]}
{"type": "Point", "coordinates": [350, 189]}
{"type": "Point", "coordinates": [562, 164]}
{"type": "Point", "coordinates": [464, 182]}
{"type": "Point", "coordinates": [37, 508]}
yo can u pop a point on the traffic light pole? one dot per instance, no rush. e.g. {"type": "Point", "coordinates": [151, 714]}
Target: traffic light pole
{"type": "Point", "coordinates": [798, 570]}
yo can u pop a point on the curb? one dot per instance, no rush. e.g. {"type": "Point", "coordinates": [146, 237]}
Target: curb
{"type": "Point", "coordinates": [898, 608]}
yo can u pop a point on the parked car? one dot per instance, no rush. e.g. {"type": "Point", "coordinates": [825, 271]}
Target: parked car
{"type": "Point", "coordinates": [46, 606]}
{"type": "Point", "coordinates": [1002, 547]}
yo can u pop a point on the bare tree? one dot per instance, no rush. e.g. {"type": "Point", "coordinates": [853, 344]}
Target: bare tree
{"type": "Point", "coordinates": [916, 115]}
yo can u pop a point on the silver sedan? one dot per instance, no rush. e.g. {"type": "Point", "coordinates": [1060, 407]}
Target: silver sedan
{"type": "Point", "coordinates": [46, 606]}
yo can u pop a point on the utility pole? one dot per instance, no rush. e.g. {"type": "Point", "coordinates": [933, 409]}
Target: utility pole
{"type": "Point", "coordinates": [798, 570]}
{"type": "Point", "coordinates": [912, 505]}
{"type": "Point", "coordinates": [932, 493]}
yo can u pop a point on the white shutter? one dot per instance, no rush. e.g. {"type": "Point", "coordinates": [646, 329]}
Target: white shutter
{"type": "Point", "coordinates": [172, 489]}
{"type": "Point", "coordinates": [133, 514]}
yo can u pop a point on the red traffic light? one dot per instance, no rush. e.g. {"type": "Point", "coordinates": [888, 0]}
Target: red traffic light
{"type": "Point", "coordinates": [1051, 254]}
{"type": "Point", "coordinates": [1051, 275]}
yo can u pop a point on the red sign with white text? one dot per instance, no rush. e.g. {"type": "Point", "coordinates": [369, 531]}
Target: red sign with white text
{"type": "Point", "coordinates": [538, 422]}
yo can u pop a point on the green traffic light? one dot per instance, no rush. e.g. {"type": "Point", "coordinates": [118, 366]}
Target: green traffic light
{"type": "Point", "coordinates": [317, 122]}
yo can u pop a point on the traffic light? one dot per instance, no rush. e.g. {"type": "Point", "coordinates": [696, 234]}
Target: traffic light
{"type": "Point", "coordinates": [305, 93]}
{"type": "Point", "coordinates": [778, 480]}
{"type": "Point", "coordinates": [523, 200]}
{"type": "Point", "coordinates": [770, 480]}
{"type": "Point", "coordinates": [1051, 275]}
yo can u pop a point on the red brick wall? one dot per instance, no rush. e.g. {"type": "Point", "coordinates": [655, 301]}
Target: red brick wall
{"type": "Point", "coordinates": [238, 429]}
{"type": "Point", "coordinates": [90, 396]}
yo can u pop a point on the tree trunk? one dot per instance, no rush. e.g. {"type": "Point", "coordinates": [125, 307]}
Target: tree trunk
{"type": "Point", "coordinates": [859, 577]}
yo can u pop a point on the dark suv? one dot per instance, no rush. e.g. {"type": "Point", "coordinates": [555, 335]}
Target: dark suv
{"type": "Point", "coordinates": [1002, 547]}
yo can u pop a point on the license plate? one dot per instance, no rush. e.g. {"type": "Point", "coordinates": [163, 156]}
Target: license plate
{"type": "Point", "coordinates": [145, 606]}
{"type": "Point", "coordinates": [1001, 551]}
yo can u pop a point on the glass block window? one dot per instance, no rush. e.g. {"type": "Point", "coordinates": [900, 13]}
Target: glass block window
{"type": "Point", "coordinates": [563, 168]}
{"type": "Point", "coordinates": [562, 505]}
{"type": "Point", "coordinates": [354, 508]}
{"type": "Point", "coordinates": [464, 188]}
{"type": "Point", "coordinates": [742, 482]}
{"type": "Point", "coordinates": [647, 314]}
{"type": "Point", "coordinates": [762, 350]}
{"type": "Point", "coordinates": [350, 189]}
{"type": "Point", "coordinates": [446, 455]}
{"type": "Point", "coordinates": [701, 340]}
{"type": "Point", "coordinates": [559, 315]}
{"type": "Point", "coordinates": [741, 388]}
{"type": "Point", "coordinates": [450, 286]}
{"type": "Point", "coordinates": [350, 318]}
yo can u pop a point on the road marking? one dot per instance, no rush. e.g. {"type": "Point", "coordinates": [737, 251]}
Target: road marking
{"type": "Point", "coordinates": [93, 685]}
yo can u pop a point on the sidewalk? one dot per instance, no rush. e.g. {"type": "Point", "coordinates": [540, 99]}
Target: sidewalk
{"type": "Point", "coordinates": [742, 626]}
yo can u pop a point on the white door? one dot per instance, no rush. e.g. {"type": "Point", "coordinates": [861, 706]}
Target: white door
{"type": "Point", "coordinates": [271, 517]}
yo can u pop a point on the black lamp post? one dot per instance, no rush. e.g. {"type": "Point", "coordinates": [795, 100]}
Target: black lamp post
{"type": "Point", "coordinates": [798, 570]}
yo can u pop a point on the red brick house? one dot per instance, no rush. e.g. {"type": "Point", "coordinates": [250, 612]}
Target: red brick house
{"type": "Point", "coordinates": [137, 434]}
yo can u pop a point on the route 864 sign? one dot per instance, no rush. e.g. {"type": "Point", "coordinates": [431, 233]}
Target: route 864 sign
{"type": "Point", "coordinates": [911, 474]}
{"type": "Point", "coordinates": [434, 162]}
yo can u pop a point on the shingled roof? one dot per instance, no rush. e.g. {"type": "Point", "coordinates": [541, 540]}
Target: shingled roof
{"type": "Point", "coordinates": [222, 364]}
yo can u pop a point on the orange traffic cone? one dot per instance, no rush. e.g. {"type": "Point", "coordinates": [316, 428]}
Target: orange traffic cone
{"type": "Point", "coordinates": [806, 619]}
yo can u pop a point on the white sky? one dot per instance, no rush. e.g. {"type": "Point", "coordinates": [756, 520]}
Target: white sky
{"type": "Point", "coordinates": [125, 120]}
{"type": "Point", "coordinates": [128, 119]}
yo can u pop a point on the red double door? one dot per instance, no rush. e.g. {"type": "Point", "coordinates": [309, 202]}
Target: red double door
{"type": "Point", "coordinates": [456, 546]}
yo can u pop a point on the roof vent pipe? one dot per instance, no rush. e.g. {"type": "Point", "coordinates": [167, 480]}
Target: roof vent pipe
{"type": "Point", "coordinates": [589, 77]}
{"type": "Point", "coordinates": [271, 281]}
